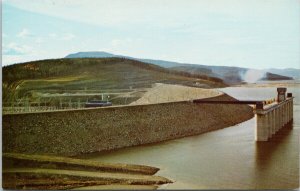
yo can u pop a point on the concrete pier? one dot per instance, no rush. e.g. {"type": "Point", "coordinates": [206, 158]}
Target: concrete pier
{"type": "Point", "coordinates": [273, 122]}
{"type": "Point", "coordinates": [270, 118]}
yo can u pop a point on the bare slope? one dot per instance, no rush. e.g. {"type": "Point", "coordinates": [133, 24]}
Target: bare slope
{"type": "Point", "coordinates": [41, 172]}
{"type": "Point", "coordinates": [162, 93]}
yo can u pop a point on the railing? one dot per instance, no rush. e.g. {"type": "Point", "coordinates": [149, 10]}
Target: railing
{"type": "Point", "coordinates": [22, 107]}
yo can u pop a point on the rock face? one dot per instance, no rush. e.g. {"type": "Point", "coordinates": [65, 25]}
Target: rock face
{"type": "Point", "coordinates": [90, 130]}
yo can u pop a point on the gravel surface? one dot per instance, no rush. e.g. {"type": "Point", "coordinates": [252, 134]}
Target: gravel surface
{"type": "Point", "coordinates": [162, 93]}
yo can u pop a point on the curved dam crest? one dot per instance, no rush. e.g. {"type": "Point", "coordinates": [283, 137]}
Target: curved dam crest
{"type": "Point", "coordinates": [70, 133]}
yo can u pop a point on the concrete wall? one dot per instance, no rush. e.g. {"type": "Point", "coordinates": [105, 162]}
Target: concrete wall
{"type": "Point", "coordinates": [81, 131]}
{"type": "Point", "coordinates": [272, 118]}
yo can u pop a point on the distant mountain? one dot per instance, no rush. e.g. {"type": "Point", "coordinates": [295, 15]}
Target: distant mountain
{"type": "Point", "coordinates": [270, 76]}
{"type": "Point", "coordinates": [231, 75]}
{"type": "Point", "coordinates": [102, 54]}
{"type": "Point", "coordinates": [291, 72]}
{"type": "Point", "coordinates": [94, 54]}
{"type": "Point", "coordinates": [228, 74]}
{"type": "Point", "coordinates": [161, 63]}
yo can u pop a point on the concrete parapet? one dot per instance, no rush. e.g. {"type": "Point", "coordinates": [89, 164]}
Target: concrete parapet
{"type": "Point", "coordinates": [262, 132]}
{"type": "Point", "coordinates": [284, 114]}
{"type": "Point", "coordinates": [286, 119]}
{"type": "Point", "coordinates": [269, 125]}
{"type": "Point", "coordinates": [281, 116]}
{"type": "Point", "coordinates": [291, 109]}
{"type": "Point", "coordinates": [273, 122]}
{"type": "Point", "coordinates": [277, 110]}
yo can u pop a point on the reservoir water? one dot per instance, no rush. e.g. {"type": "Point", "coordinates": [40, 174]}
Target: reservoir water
{"type": "Point", "coordinates": [224, 159]}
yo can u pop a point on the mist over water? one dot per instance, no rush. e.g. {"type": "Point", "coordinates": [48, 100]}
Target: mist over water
{"type": "Point", "coordinates": [253, 75]}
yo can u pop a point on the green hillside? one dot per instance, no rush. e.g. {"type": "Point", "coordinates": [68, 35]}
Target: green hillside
{"type": "Point", "coordinates": [86, 77]}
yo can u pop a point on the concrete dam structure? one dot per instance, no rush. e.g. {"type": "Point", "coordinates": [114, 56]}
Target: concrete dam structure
{"type": "Point", "coordinates": [272, 117]}
{"type": "Point", "coordinates": [74, 132]}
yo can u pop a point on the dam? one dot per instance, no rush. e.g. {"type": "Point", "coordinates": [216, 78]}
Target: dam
{"type": "Point", "coordinates": [83, 132]}
{"type": "Point", "coordinates": [271, 115]}
{"type": "Point", "coordinates": [271, 118]}
{"type": "Point", "coordinates": [226, 158]}
{"type": "Point", "coordinates": [73, 132]}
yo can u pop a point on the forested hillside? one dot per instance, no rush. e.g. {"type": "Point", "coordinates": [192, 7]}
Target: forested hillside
{"type": "Point", "coordinates": [78, 74]}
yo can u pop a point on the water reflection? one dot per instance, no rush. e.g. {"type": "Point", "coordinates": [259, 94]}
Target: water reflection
{"type": "Point", "coordinates": [264, 151]}
{"type": "Point", "coordinates": [276, 161]}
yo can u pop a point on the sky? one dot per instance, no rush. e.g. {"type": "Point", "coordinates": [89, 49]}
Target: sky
{"type": "Point", "coordinates": [246, 33]}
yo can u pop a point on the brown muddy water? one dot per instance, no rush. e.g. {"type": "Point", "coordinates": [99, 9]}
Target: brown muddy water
{"type": "Point", "coordinates": [224, 159]}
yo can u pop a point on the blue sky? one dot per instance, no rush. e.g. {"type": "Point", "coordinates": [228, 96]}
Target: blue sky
{"type": "Point", "coordinates": [246, 33]}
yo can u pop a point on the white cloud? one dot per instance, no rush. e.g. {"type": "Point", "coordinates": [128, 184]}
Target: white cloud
{"type": "Point", "coordinates": [68, 36]}
{"type": "Point", "coordinates": [4, 35]}
{"type": "Point", "coordinates": [16, 49]}
{"type": "Point", "coordinates": [220, 32]}
{"type": "Point", "coordinates": [39, 40]}
{"type": "Point", "coordinates": [121, 42]}
{"type": "Point", "coordinates": [52, 35]}
{"type": "Point", "coordinates": [162, 12]}
{"type": "Point", "coordinates": [13, 59]}
{"type": "Point", "coordinates": [235, 40]}
{"type": "Point", "coordinates": [24, 33]}
{"type": "Point", "coordinates": [64, 36]}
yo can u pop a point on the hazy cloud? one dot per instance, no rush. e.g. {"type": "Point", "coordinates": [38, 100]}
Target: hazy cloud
{"type": "Point", "coordinates": [68, 36]}
{"type": "Point", "coordinates": [168, 12]}
{"type": "Point", "coordinates": [249, 33]}
{"type": "Point", "coordinates": [16, 49]}
{"type": "Point", "coordinates": [4, 35]}
{"type": "Point", "coordinates": [39, 40]}
{"type": "Point", "coordinates": [24, 33]}
{"type": "Point", "coordinates": [52, 35]}
{"type": "Point", "coordinates": [121, 42]}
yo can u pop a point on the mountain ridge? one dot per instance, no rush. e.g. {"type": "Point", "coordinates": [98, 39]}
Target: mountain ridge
{"type": "Point", "coordinates": [230, 74]}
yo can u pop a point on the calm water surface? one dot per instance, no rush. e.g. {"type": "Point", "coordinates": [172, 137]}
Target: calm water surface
{"type": "Point", "coordinates": [224, 159]}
